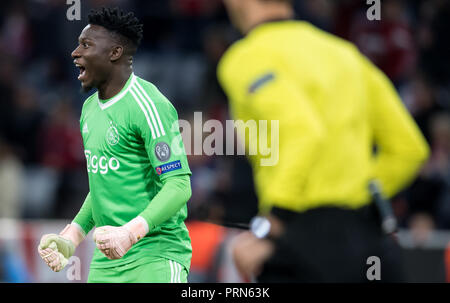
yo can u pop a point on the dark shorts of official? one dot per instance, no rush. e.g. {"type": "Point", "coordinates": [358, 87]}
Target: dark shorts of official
{"type": "Point", "coordinates": [332, 245]}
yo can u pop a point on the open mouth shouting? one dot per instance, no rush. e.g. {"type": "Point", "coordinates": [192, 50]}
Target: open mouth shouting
{"type": "Point", "coordinates": [82, 76]}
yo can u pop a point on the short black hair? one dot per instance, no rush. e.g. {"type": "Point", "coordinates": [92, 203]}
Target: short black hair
{"type": "Point", "coordinates": [281, 1]}
{"type": "Point", "coordinates": [118, 22]}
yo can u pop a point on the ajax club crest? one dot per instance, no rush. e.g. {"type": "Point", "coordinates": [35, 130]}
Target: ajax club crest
{"type": "Point", "coordinates": [112, 135]}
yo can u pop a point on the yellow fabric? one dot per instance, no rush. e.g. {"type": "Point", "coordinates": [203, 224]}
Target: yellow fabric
{"type": "Point", "coordinates": [333, 106]}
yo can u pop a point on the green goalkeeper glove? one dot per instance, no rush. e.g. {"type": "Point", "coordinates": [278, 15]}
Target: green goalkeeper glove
{"type": "Point", "coordinates": [56, 250]}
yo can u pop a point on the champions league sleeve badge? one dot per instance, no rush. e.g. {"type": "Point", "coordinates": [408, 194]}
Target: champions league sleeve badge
{"type": "Point", "coordinates": [162, 151]}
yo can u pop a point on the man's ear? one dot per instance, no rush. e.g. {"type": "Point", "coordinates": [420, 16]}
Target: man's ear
{"type": "Point", "coordinates": [116, 53]}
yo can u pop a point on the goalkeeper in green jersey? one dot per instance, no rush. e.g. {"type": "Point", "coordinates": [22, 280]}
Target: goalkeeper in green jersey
{"type": "Point", "coordinates": [139, 177]}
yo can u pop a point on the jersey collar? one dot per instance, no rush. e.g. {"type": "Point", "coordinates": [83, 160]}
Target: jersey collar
{"type": "Point", "coordinates": [267, 21]}
{"type": "Point", "coordinates": [104, 104]}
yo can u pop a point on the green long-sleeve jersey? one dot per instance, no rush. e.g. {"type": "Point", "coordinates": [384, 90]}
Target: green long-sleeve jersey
{"type": "Point", "coordinates": [137, 165]}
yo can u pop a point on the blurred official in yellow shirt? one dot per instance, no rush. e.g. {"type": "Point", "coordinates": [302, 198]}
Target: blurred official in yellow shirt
{"type": "Point", "coordinates": [341, 122]}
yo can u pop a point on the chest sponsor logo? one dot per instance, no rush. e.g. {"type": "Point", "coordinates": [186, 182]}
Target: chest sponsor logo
{"type": "Point", "coordinates": [112, 135]}
{"type": "Point", "coordinates": [100, 164]}
{"type": "Point", "coordinates": [165, 168]}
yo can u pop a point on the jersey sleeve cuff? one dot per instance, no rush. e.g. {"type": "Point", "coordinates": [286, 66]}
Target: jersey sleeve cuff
{"type": "Point", "coordinates": [138, 227]}
{"type": "Point", "coordinates": [80, 229]}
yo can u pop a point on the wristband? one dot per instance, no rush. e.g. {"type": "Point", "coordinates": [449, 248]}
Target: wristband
{"type": "Point", "coordinates": [260, 227]}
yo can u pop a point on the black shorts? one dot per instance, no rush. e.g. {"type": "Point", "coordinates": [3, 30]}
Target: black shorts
{"type": "Point", "coordinates": [331, 244]}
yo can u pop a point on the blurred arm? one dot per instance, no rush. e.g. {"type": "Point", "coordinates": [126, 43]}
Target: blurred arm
{"type": "Point", "coordinates": [401, 147]}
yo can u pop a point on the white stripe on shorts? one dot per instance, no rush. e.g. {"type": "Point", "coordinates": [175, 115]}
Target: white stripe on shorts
{"type": "Point", "coordinates": [175, 272]}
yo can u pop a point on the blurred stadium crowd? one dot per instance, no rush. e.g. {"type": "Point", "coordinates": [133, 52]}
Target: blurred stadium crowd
{"type": "Point", "coordinates": [42, 164]}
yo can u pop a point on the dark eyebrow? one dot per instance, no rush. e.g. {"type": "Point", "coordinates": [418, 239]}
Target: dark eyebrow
{"type": "Point", "coordinates": [80, 39]}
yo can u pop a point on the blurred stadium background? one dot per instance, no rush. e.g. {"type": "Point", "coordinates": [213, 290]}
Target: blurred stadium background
{"type": "Point", "coordinates": [43, 179]}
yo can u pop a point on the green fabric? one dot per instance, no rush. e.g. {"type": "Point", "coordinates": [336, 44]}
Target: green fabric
{"type": "Point", "coordinates": [177, 190]}
{"type": "Point", "coordinates": [156, 270]}
{"type": "Point", "coordinates": [84, 216]}
{"type": "Point", "coordinates": [133, 147]}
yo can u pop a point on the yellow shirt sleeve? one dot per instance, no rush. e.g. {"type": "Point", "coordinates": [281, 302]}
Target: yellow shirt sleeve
{"type": "Point", "coordinates": [260, 88]}
{"type": "Point", "coordinates": [401, 147]}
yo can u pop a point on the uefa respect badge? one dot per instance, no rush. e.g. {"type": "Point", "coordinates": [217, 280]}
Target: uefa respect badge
{"type": "Point", "coordinates": [165, 168]}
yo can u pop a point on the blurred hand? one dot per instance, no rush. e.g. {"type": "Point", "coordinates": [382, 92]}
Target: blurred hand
{"type": "Point", "coordinates": [250, 253]}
